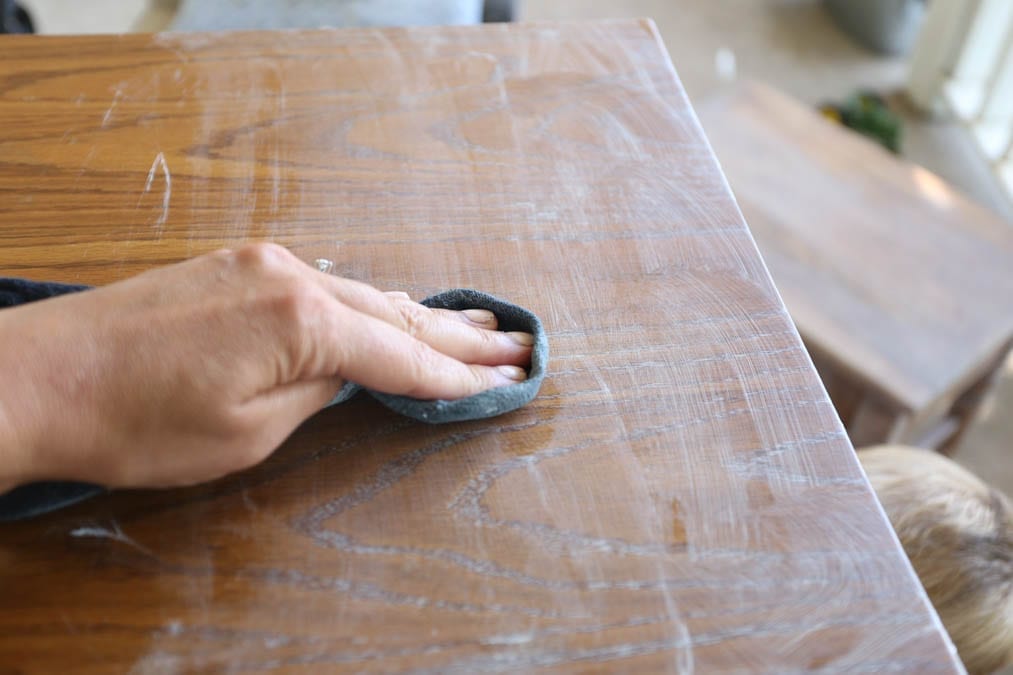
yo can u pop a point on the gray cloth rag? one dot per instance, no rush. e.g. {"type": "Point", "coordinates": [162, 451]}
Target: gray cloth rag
{"type": "Point", "coordinates": [36, 499]}
{"type": "Point", "coordinates": [489, 403]}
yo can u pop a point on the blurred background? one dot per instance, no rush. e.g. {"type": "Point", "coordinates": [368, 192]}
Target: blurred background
{"type": "Point", "coordinates": [930, 82]}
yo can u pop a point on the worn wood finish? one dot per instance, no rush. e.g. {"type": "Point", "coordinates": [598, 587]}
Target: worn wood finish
{"type": "Point", "coordinates": [681, 495]}
{"type": "Point", "coordinates": [893, 277]}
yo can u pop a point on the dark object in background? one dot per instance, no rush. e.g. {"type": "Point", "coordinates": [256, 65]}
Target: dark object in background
{"type": "Point", "coordinates": [15, 19]}
{"type": "Point", "coordinates": [498, 11]}
{"type": "Point", "coordinates": [217, 15]}
{"type": "Point", "coordinates": [885, 26]}
{"type": "Point", "coordinates": [867, 113]}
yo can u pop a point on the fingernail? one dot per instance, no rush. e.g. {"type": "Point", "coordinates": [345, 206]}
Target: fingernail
{"type": "Point", "coordinates": [399, 294]}
{"type": "Point", "coordinates": [480, 316]}
{"type": "Point", "coordinates": [523, 339]}
{"type": "Point", "coordinates": [513, 373]}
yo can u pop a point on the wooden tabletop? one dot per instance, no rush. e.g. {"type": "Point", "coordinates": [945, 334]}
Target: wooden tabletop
{"type": "Point", "coordinates": [885, 268]}
{"type": "Point", "coordinates": [680, 496]}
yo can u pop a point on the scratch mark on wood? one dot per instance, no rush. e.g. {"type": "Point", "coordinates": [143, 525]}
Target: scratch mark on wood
{"type": "Point", "coordinates": [112, 532]}
{"type": "Point", "coordinates": [159, 163]}
{"type": "Point", "coordinates": [112, 106]}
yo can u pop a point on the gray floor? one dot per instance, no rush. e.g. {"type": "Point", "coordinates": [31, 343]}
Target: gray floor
{"type": "Point", "coordinates": [791, 44]}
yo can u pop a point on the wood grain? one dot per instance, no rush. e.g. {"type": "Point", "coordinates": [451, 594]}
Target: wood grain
{"type": "Point", "coordinates": [680, 497]}
{"type": "Point", "coordinates": [886, 269]}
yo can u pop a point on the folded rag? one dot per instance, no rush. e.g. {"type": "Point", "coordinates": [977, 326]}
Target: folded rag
{"type": "Point", "coordinates": [37, 498]}
{"type": "Point", "coordinates": [489, 403]}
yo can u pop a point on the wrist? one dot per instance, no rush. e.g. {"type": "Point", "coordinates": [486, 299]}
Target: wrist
{"type": "Point", "coordinates": [14, 452]}
{"type": "Point", "coordinates": [18, 434]}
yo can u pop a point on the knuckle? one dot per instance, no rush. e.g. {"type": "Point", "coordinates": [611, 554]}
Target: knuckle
{"type": "Point", "coordinates": [486, 339]}
{"type": "Point", "coordinates": [299, 305]}
{"type": "Point", "coordinates": [480, 380]}
{"type": "Point", "coordinates": [221, 261]}
{"type": "Point", "coordinates": [416, 320]}
{"type": "Point", "coordinates": [430, 374]}
{"type": "Point", "coordinates": [295, 317]}
{"type": "Point", "coordinates": [423, 367]}
{"type": "Point", "coordinates": [233, 425]}
{"type": "Point", "coordinates": [263, 255]}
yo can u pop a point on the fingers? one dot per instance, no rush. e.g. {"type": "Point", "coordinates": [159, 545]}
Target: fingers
{"type": "Point", "coordinates": [458, 335]}
{"type": "Point", "coordinates": [377, 355]}
{"type": "Point", "coordinates": [457, 345]}
{"type": "Point", "coordinates": [479, 318]}
{"type": "Point", "coordinates": [469, 336]}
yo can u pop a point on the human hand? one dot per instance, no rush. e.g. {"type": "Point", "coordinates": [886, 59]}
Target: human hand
{"type": "Point", "coordinates": [192, 371]}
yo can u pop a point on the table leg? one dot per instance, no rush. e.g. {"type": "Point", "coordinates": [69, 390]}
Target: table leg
{"type": "Point", "coordinates": [965, 408]}
{"type": "Point", "coordinates": [874, 422]}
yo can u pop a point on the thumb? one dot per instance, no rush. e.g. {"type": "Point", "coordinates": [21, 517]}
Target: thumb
{"type": "Point", "coordinates": [275, 413]}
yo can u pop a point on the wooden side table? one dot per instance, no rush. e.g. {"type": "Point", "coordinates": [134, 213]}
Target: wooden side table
{"type": "Point", "coordinates": [901, 288]}
{"type": "Point", "coordinates": [680, 497]}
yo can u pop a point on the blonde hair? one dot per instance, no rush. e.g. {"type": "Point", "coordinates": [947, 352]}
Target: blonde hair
{"type": "Point", "coordinates": [958, 533]}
